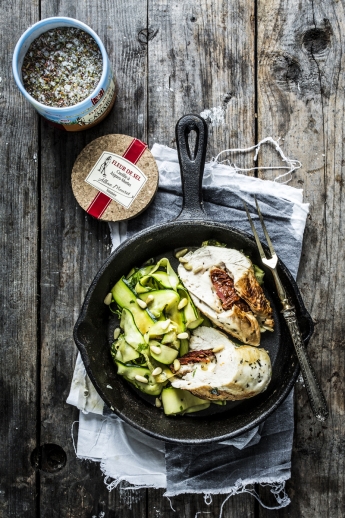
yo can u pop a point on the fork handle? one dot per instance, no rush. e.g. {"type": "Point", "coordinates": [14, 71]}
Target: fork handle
{"type": "Point", "coordinates": [316, 397]}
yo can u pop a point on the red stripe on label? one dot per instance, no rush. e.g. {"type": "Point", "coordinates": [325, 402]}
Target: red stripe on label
{"type": "Point", "coordinates": [98, 205]}
{"type": "Point", "coordinates": [134, 151]}
{"type": "Point", "coordinates": [101, 201]}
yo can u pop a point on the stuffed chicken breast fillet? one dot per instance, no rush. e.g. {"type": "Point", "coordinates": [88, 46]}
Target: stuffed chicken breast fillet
{"type": "Point", "coordinates": [223, 286]}
{"type": "Point", "coordinates": [216, 369]}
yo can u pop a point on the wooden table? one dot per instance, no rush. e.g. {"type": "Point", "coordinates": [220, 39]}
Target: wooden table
{"type": "Point", "coordinates": [276, 69]}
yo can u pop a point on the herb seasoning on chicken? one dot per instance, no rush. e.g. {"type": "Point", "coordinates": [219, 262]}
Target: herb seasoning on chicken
{"type": "Point", "coordinates": [231, 373]}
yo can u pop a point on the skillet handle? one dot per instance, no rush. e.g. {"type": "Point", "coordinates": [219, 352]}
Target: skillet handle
{"type": "Point", "coordinates": [192, 163]}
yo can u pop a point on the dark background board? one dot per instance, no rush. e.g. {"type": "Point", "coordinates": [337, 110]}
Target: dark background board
{"type": "Point", "coordinates": [276, 67]}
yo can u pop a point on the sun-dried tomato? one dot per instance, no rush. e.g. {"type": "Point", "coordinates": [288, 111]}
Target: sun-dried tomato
{"type": "Point", "coordinates": [225, 289]}
{"type": "Point", "coordinates": [197, 356]}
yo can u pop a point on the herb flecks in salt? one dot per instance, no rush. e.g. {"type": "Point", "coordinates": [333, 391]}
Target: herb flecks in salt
{"type": "Point", "coordinates": [62, 67]}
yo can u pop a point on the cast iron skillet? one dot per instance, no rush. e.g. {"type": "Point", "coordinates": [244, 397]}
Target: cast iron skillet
{"type": "Point", "coordinates": [94, 328]}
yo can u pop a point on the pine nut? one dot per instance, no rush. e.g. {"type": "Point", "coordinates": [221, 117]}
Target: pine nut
{"type": "Point", "coordinates": [155, 349]}
{"type": "Point", "coordinates": [149, 299]}
{"type": "Point", "coordinates": [218, 349]}
{"type": "Point", "coordinates": [117, 333]}
{"type": "Point", "coordinates": [158, 403]}
{"type": "Point", "coordinates": [183, 260]}
{"type": "Point", "coordinates": [177, 365]}
{"type": "Point", "coordinates": [108, 299]}
{"type": "Point", "coordinates": [182, 336]}
{"type": "Point", "coordinates": [141, 378]}
{"type": "Point", "coordinates": [182, 303]}
{"type": "Point", "coordinates": [181, 253]}
{"type": "Point", "coordinates": [204, 367]}
{"type": "Point", "coordinates": [188, 267]}
{"type": "Point", "coordinates": [141, 303]}
{"type": "Point", "coordinates": [198, 269]}
{"type": "Point", "coordinates": [157, 371]}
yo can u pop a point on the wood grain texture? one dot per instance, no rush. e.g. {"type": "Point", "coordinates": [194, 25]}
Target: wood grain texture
{"type": "Point", "coordinates": [190, 505]}
{"type": "Point", "coordinates": [74, 246]}
{"type": "Point", "coordinates": [59, 251]}
{"type": "Point", "coordinates": [18, 231]}
{"type": "Point", "coordinates": [201, 57]}
{"type": "Point", "coordinates": [301, 85]}
{"type": "Point", "coordinates": [170, 58]}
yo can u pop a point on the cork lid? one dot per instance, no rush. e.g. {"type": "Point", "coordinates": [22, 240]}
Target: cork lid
{"type": "Point", "coordinates": [115, 178]}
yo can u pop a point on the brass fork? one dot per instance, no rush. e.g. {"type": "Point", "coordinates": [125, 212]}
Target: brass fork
{"type": "Point", "coordinates": [316, 397]}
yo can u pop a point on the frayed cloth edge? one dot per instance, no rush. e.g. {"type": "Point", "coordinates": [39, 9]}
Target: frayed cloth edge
{"type": "Point", "coordinates": [112, 483]}
{"type": "Point", "coordinates": [276, 485]}
{"type": "Point", "coordinates": [277, 488]}
{"type": "Point", "coordinates": [239, 483]}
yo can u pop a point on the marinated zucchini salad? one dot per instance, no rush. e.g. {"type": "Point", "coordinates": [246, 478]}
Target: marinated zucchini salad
{"type": "Point", "coordinates": [167, 344]}
{"type": "Point", "coordinates": [157, 315]}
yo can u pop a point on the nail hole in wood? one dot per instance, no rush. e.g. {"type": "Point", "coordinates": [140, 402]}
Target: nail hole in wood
{"type": "Point", "coordinates": [49, 458]}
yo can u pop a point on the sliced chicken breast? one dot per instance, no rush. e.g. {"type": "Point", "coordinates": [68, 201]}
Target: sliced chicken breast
{"type": "Point", "coordinates": [217, 369]}
{"type": "Point", "coordinates": [223, 286]}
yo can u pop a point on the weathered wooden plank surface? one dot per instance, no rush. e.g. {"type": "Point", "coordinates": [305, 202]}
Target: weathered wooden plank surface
{"type": "Point", "coordinates": [170, 59]}
{"type": "Point", "coordinates": [19, 263]}
{"type": "Point", "coordinates": [68, 481]}
{"type": "Point", "coordinates": [189, 506]}
{"type": "Point", "coordinates": [74, 247]}
{"type": "Point", "coordinates": [301, 84]}
{"type": "Point", "coordinates": [201, 60]}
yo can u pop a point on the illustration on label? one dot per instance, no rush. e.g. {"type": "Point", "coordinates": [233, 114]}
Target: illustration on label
{"type": "Point", "coordinates": [117, 177]}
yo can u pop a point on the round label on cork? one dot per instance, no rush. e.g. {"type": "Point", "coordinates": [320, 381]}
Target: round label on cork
{"type": "Point", "coordinates": [115, 178]}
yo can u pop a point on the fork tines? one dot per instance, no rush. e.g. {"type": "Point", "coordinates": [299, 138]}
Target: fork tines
{"type": "Point", "coordinates": [257, 239]}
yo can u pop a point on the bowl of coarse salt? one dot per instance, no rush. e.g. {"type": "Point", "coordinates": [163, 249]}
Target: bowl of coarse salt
{"type": "Point", "coordinates": [61, 67]}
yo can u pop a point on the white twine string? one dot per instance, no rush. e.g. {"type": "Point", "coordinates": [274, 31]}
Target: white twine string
{"type": "Point", "coordinates": [96, 440]}
{"type": "Point", "coordinates": [112, 483]}
{"type": "Point", "coordinates": [72, 435]}
{"type": "Point", "coordinates": [208, 499]}
{"type": "Point", "coordinates": [171, 504]}
{"type": "Point", "coordinates": [276, 489]}
{"type": "Point", "coordinates": [98, 434]}
{"type": "Point", "coordinates": [291, 167]}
